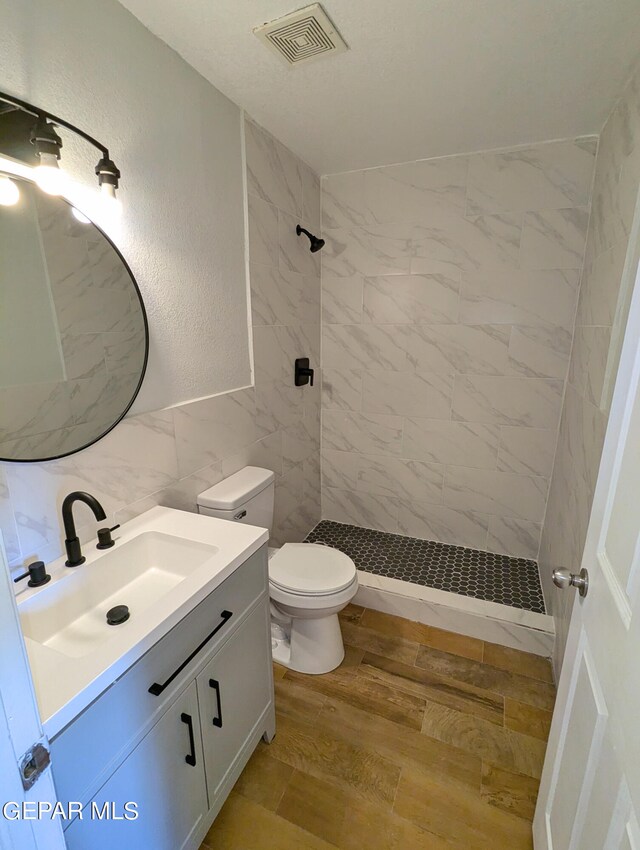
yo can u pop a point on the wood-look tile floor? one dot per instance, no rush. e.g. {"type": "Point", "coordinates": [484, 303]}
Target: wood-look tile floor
{"type": "Point", "coordinates": [421, 740]}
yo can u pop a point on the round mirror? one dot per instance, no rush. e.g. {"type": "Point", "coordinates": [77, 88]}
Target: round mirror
{"type": "Point", "coordinates": [73, 330]}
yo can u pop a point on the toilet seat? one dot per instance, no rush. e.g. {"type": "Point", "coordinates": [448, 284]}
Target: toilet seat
{"type": "Point", "coordinates": [310, 569]}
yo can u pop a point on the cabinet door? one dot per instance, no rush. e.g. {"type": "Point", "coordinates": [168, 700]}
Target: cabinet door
{"type": "Point", "coordinates": [164, 775]}
{"type": "Point", "coordinates": [233, 691]}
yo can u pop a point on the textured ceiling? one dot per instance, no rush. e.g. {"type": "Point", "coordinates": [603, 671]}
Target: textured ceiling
{"type": "Point", "coordinates": [422, 78]}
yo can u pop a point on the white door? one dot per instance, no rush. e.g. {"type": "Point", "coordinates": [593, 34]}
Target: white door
{"type": "Point", "coordinates": [20, 729]}
{"type": "Point", "coordinates": [590, 790]}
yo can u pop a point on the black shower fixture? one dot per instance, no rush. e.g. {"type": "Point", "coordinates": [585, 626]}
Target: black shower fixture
{"type": "Point", "coordinates": [316, 244]}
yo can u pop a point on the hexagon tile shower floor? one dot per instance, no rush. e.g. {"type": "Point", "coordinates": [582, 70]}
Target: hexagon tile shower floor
{"type": "Point", "coordinates": [468, 572]}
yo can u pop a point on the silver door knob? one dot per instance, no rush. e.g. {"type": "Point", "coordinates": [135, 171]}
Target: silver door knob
{"type": "Point", "coordinates": [563, 578]}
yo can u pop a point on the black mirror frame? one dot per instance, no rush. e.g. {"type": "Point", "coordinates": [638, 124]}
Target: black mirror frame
{"type": "Point", "coordinates": [146, 343]}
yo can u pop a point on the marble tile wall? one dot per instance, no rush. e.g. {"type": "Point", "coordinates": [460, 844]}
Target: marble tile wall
{"type": "Point", "coordinates": [169, 456]}
{"type": "Point", "coordinates": [449, 291]}
{"type": "Point", "coordinates": [603, 294]}
{"type": "Point", "coordinates": [285, 299]}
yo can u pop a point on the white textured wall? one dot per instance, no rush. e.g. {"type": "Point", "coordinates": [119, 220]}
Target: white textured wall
{"type": "Point", "coordinates": [176, 140]}
{"type": "Point", "coordinates": [604, 296]}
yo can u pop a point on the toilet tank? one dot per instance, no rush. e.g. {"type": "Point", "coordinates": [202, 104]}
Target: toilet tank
{"type": "Point", "coordinates": [246, 496]}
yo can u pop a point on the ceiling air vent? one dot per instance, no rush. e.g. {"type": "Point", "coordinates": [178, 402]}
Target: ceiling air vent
{"type": "Point", "coordinates": [302, 36]}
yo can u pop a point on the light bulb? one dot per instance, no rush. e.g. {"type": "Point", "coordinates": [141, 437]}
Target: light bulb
{"type": "Point", "coordinates": [109, 201]}
{"type": "Point", "coordinates": [80, 216]}
{"type": "Point", "coordinates": [107, 190]}
{"type": "Point", "coordinates": [51, 180]}
{"type": "Point", "coordinates": [49, 177]}
{"type": "Point", "coordinates": [9, 192]}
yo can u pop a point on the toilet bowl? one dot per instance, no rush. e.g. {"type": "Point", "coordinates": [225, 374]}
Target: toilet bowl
{"type": "Point", "coordinates": [309, 584]}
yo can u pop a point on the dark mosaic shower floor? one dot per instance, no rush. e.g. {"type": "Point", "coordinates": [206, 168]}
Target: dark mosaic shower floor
{"type": "Point", "coordinates": [469, 572]}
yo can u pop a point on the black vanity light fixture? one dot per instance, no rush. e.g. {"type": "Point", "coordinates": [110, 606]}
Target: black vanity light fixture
{"type": "Point", "coordinates": [47, 145]}
{"type": "Point", "coordinates": [316, 243]}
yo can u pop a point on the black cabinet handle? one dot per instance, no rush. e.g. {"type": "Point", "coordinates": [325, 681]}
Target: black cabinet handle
{"type": "Point", "coordinates": [157, 689]}
{"type": "Point", "coordinates": [191, 758]}
{"type": "Point", "coordinates": [217, 721]}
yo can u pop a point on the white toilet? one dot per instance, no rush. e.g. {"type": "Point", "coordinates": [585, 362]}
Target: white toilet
{"type": "Point", "coordinates": [308, 583]}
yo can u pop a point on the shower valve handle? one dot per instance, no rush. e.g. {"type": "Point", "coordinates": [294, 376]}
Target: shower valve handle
{"type": "Point", "coordinates": [307, 373]}
{"type": "Point", "coordinates": [302, 373]}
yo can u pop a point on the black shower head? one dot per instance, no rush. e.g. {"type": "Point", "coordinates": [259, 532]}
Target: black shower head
{"type": "Point", "coordinates": [316, 244]}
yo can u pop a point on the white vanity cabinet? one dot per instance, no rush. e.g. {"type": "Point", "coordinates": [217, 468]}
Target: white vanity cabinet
{"type": "Point", "coordinates": [174, 733]}
{"type": "Point", "coordinates": [170, 793]}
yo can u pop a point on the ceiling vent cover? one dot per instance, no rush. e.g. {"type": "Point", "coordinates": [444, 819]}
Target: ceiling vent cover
{"type": "Point", "coordinates": [302, 36]}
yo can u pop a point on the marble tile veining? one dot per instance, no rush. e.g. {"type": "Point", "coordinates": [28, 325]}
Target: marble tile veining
{"type": "Point", "coordinates": [407, 393]}
{"type": "Point", "coordinates": [374, 433]}
{"type": "Point", "coordinates": [476, 243]}
{"type": "Point", "coordinates": [443, 441]}
{"type": "Point", "coordinates": [365, 346]}
{"type": "Point", "coordinates": [552, 176]}
{"type": "Point", "coordinates": [529, 402]}
{"type": "Point", "coordinates": [273, 173]}
{"type": "Point", "coordinates": [370, 250]}
{"type": "Point", "coordinates": [342, 300]}
{"type": "Point", "coordinates": [543, 298]}
{"type": "Point", "coordinates": [554, 239]}
{"type": "Point", "coordinates": [422, 299]}
{"type": "Point", "coordinates": [415, 191]}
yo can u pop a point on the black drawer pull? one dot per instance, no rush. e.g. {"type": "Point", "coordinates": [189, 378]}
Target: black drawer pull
{"type": "Point", "coordinates": [157, 689]}
{"type": "Point", "coordinates": [217, 721]}
{"type": "Point", "coordinates": [191, 758]}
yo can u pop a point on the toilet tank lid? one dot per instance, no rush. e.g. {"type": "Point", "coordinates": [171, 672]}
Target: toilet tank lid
{"type": "Point", "coordinates": [236, 489]}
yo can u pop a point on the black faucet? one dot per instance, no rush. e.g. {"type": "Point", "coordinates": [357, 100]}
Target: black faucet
{"type": "Point", "coordinates": [72, 543]}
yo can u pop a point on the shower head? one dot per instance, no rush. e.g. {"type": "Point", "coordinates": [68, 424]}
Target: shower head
{"type": "Point", "coordinates": [316, 244]}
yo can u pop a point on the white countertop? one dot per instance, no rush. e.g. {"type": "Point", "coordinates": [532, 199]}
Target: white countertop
{"type": "Point", "coordinates": [65, 686]}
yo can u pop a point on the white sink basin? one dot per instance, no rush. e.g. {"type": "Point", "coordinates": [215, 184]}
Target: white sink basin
{"type": "Point", "coordinates": [164, 563]}
{"type": "Point", "coordinates": [71, 616]}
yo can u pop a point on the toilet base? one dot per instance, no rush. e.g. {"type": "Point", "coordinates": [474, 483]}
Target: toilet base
{"type": "Point", "coordinates": [312, 646]}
